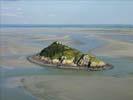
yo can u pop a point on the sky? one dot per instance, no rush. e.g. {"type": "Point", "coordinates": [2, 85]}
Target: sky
{"type": "Point", "coordinates": [66, 12]}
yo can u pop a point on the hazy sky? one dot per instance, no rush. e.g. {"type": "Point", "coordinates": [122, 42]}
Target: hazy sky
{"type": "Point", "coordinates": [66, 12]}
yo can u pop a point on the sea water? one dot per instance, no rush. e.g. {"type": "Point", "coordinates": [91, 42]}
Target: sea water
{"type": "Point", "coordinates": [122, 66]}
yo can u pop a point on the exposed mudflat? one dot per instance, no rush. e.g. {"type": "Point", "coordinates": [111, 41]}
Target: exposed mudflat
{"type": "Point", "coordinates": [69, 87]}
{"type": "Point", "coordinates": [16, 44]}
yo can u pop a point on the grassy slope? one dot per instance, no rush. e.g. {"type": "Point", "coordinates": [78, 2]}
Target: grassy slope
{"type": "Point", "coordinates": [56, 50]}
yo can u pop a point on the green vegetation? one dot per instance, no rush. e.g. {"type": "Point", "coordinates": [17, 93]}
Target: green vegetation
{"type": "Point", "coordinates": [62, 52]}
{"type": "Point", "coordinates": [56, 50]}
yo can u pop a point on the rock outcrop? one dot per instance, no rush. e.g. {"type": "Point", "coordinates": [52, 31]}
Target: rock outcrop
{"type": "Point", "coordinates": [62, 55]}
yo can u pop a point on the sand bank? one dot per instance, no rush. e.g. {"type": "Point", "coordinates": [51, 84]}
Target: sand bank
{"type": "Point", "coordinates": [67, 87]}
{"type": "Point", "coordinates": [114, 48]}
{"type": "Point", "coordinates": [17, 44]}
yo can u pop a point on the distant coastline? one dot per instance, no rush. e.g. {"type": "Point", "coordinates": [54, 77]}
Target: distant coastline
{"type": "Point", "coordinates": [105, 26]}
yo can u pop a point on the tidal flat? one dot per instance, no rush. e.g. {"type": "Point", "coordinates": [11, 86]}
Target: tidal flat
{"type": "Point", "coordinates": [70, 87]}
{"type": "Point", "coordinates": [33, 82]}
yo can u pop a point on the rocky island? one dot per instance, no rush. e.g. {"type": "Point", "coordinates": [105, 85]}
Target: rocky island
{"type": "Point", "coordinates": [62, 56]}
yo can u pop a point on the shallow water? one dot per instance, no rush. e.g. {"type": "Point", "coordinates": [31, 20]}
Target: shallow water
{"type": "Point", "coordinates": [122, 37]}
{"type": "Point", "coordinates": [122, 68]}
{"type": "Point", "coordinates": [87, 42]}
{"type": "Point", "coordinates": [13, 93]}
{"type": "Point", "coordinates": [14, 63]}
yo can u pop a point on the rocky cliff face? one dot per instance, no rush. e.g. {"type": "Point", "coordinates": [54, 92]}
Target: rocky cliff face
{"type": "Point", "coordinates": [57, 53]}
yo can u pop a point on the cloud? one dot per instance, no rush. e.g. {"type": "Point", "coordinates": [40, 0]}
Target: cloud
{"type": "Point", "coordinates": [52, 15]}
{"type": "Point", "coordinates": [11, 11]}
{"type": "Point", "coordinates": [9, 14]}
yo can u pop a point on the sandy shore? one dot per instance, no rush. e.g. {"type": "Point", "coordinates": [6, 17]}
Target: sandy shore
{"type": "Point", "coordinates": [67, 87]}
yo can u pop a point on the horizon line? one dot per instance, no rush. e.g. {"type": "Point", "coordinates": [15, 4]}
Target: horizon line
{"type": "Point", "coordinates": [69, 25]}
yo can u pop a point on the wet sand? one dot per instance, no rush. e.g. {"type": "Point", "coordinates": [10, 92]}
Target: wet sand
{"type": "Point", "coordinates": [60, 87]}
{"type": "Point", "coordinates": [17, 44]}
{"type": "Point", "coordinates": [114, 48]}
{"type": "Point", "coordinates": [33, 40]}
